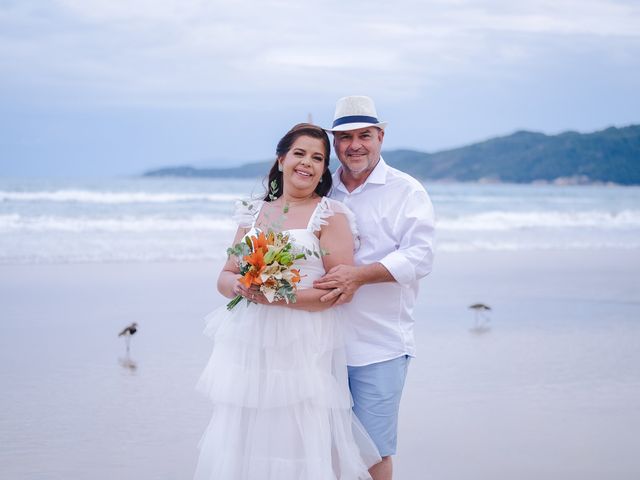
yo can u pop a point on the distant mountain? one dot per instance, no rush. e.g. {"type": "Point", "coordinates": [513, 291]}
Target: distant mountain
{"type": "Point", "coordinates": [251, 170]}
{"type": "Point", "coordinates": [611, 155]}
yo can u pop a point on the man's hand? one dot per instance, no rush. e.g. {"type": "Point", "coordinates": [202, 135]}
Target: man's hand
{"type": "Point", "coordinates": [342, 280]}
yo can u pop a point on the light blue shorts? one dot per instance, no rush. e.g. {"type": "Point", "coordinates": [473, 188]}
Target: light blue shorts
{"type": "Point", "coordinates": [376, 390]}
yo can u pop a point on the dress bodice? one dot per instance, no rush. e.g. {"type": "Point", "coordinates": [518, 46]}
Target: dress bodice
{"type": "Point", "coordinates": [312, 267]}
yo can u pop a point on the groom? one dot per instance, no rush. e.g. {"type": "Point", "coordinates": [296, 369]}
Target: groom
{"type": "Point", "coordinates": [396, 224]}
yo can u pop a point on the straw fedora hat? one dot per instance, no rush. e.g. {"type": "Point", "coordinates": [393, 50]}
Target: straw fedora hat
{"type": "Point", "coordinates": [355, 112]}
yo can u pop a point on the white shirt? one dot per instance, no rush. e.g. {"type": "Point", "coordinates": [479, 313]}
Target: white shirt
{"type": "Point", "coordinates": [395, 220]}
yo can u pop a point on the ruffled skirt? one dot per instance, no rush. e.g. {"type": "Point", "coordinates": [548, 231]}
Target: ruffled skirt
{"type": "Point", "coordinates": [277, 378]}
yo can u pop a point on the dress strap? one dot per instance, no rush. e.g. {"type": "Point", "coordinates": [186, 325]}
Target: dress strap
{"type": "Point", "coordinates": [246, 212]}
{"type": "Point", "coordinates": [327, 208]}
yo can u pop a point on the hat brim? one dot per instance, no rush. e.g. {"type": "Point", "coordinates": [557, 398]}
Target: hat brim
{"type": "Point", "coordinates": [355, 126]}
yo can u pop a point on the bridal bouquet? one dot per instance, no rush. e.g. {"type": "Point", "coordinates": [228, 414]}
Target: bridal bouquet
{"type": "Point", "coordinates": [267, 261]}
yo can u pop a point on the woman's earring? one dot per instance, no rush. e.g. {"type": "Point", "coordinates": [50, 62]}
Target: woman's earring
{"type": "Point", "coordinates": [321, 180]}
{"type": "Point", "coordinates": [279, 167]}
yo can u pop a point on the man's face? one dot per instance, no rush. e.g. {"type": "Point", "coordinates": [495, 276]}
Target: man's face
{"type": "Point", "coordinates": [359, 150]}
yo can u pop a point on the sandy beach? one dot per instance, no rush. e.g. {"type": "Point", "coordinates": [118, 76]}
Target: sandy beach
{"type": "Point", "coordinates": [549, 391]}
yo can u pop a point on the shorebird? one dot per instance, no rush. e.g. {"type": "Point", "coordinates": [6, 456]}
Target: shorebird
{"type": "Point", "coordinates": [480, 310]}
{"type": "Point", "coordinates": [127, 332]}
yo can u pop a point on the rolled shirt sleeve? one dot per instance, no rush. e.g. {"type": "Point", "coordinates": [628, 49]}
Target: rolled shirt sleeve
{"type": "Point", "coordinates": [414, 229]}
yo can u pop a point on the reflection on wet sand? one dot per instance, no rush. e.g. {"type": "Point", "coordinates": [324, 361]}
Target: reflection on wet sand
{"type": "Point", "coordinates": [481, 319]}
{"type": "Point", "coordinates": [128, 363]}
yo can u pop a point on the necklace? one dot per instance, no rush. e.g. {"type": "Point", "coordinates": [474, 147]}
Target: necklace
{"type": "Point", "coordinates": [287, 204]}
{"type": "Point", "coordinates": [281, 205]}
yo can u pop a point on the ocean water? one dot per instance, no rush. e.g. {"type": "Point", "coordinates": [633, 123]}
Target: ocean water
{"type": "Point", "coordinates": [172, 219]}
{"type": "Point", "coordinates": [549, 389]}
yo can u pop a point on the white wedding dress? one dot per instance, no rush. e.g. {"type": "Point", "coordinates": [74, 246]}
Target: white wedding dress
{"type": "Point", "coordinates": [278, 381]}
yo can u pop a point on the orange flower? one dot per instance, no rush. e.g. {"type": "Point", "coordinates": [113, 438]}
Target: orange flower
{"type": "Point", "coordinates": [270, 283]}
{"type": "Point", "coordinates": [246, 279]}
{"type": "Point", "coordinates": [252, 277]}
{"type": "Point", "coordinates": [260, 243]}
{"type": "Point", "coordinates": [256, 259]}
{"type": "Point", "coordinates": [296, 275]}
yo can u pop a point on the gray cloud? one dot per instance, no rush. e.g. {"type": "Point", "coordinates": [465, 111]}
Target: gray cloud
{"type": "Point", "coordinates": [190, 52]}
{"type": "Point", "coordinates": [131, 84]}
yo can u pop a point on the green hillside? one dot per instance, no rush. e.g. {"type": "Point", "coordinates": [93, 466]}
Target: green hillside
{"type": "Point", "coordinates": [611, 155]}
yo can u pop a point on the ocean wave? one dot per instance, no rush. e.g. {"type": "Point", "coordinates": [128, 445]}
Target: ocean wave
{"type": "Point", "coordinates": [496, 221]}
{"type": "Point", "coordinates": [504, 220]}
{"type": "Point", "coordinates": [109, 257]}
{"type": "Point", "coordinates": [130, 223]}
{"type": "Point", "coordinates": [111, 197]}
{"type": "Point", "coordinates": [467, 199]}
{"type": "Point", "coordinates": [520, 246]}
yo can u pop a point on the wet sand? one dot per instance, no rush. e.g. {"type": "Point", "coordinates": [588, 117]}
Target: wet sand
{"type": "Point", "coordinates": [549, 391]}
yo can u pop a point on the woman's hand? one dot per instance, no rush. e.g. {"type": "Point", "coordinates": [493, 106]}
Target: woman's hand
{"type": "Point", "coordinates": [253, 293]}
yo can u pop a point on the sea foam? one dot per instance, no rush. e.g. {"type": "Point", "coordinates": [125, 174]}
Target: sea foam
{"type": "Point", "coordinates": [109, 197]}
{"type": "Point", "coordinates": [509, 220]}
{"type": "Point", "coordinates": [125, 223]}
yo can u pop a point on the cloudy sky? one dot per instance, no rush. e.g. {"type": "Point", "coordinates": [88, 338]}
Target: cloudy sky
{"type": "Point", "coordinates": [114, 87]}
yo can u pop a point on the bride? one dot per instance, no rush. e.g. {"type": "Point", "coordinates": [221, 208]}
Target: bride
{"type": "Point", "coordinates": [277, 375]}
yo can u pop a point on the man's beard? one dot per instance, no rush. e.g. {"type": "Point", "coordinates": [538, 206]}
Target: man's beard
{"type": "Point", "coordinates": [358, 171]}
{"type": "Point", "coordinates": [367, 168]}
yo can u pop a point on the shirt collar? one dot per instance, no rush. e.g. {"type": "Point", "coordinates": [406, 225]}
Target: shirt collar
{"type": "Point", "coordinates": [377, 176]}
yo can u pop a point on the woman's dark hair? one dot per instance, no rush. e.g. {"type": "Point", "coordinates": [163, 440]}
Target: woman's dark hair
{"type": "Point", "coordinates": [284, 145]}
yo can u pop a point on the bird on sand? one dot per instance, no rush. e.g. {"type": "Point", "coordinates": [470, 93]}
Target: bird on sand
{"type": "Point", "coordinates": [480, 307]}
{"type": "Point", "coordinates": [480, 310]}
{"type": "Point", "coordinates": [127, 332]}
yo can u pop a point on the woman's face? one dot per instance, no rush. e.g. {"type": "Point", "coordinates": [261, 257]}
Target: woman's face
{"type": "Point", "coordinates": [303, 166]}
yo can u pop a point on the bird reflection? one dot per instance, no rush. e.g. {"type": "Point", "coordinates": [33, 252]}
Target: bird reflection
{"type": "Point", "coordinates": [481, 318]}
{"type": "Point", "coordinates": [128, 363]}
